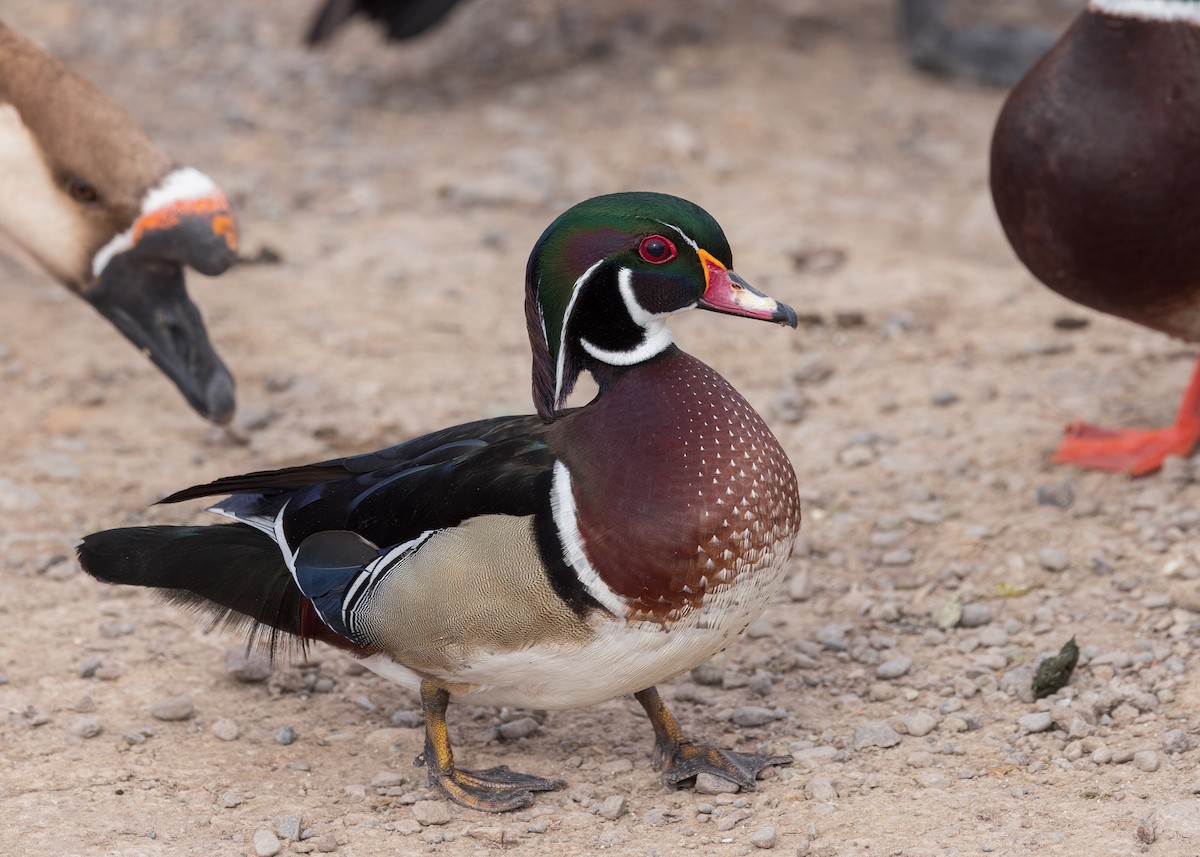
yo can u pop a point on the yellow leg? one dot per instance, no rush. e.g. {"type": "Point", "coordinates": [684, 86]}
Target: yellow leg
{"type": "Point", "coordinates": [681, 761]}
{"type": "Point", "coordinates": [494, 790]}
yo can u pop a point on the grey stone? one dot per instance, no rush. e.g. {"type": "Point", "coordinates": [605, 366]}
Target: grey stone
{"type": "Point", "coordinates": [285, 735]}
{"type": "Point", "coordinates": [176, 708]}
{"type": "Point", "coordinates": [87, 727]}
{"type": "Point", "coordinates": [1053, 559]}
{"type": "Point", "coordinates": [266, 844]}
{"type": "Point", "coordinates": [764, 837]}
{"type": "Point", "coordinates": [920, 724]}
{"type": "Point", "coordinates": [943, 398]}
{"type": "Point", "coordinates": [289, 826]}
{"type": "Point", "coordinates": [975, 614]}
{"type": "Point", "coordinates": [875, 733]}
{"type": "Point", "coordinates": [231, 799]}
{"type": "Point", "coordinates": [406, 719]}
{"type": "Point", "coordinates": [752, 715]}
{"type": "Point", "coordinates": [226, 729]}
{"type": "Point", "coordinates": [522, 727]}
{"type": "Point", "coordinates": [1146, 760]}
{"type": "Point", "coordinates": [1038, 721]}
{"type": "Point", "coordinates": [900, 556]}
{"type": "Point", "coordinates": [707, 674]}
{"type": "Point", "coordinates": [1179, 819]}
{"type": "Point", "coordinates": [1060, 495]}
{"type": "Point", "coordinates": [247, 666]}
{"type": "Point", "coordinates": [894, 668]}
{"type": "Point", "coordinates": [431, 812]}
{"type": "Point", "coordinates": [821, 789]}
{"type": "Point", "coordinates": [613, 807]}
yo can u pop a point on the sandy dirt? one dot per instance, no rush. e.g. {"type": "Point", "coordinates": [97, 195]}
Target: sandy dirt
{"type": "Point", "coordinates": [402, 191]}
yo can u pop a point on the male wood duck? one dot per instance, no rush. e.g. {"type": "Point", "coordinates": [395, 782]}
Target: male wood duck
{"type": "Point", "coordinates": [547, 561]}
{"type": "Point", "coordinates": [1095, 178]}
{"type": "Point", "coordinates": [108, 214]}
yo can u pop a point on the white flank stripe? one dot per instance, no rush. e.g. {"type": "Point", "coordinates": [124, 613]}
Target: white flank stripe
{"type": "Point", "coordinates": [179, 185]}
{"type": "Point", "coordinates": [289, 555]}
{"type": "Point", "coordinates": [259, 522]}
{"type": "Point", "coordinates": [376, 569]}
{"type": "Point", "coordinates": [1152, 10]}
{"type": "Point", "coordinates": [562, 504]}
{"type": "Point", "coordinates": [562, 334]}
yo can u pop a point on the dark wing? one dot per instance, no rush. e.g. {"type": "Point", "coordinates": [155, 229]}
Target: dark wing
{"type": "Point", "coordinates": [391, 496]}
{"type": "Point", "coordinates": [404, 19]}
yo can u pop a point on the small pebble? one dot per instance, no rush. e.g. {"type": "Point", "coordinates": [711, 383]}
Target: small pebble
{"type": "Point", "coordinates": [875, 733]}
{"type": "Point", "coordinates": [616, 766]}
{"type": "Point", "coordinates": [428, 812]}
{"type": "Point", "coordinates": [1146, 760]}
{"type": "Point", "coordinates": [247, 666]}
{"type": "Point", "coordinates": [975, 614]}
{"type": "Point", "coordinates": [613, 807]}
{"type": "Point", "coordinates": [752, 715]}
{"type": "Point", "coordinates": [920, 724]}
{"type": "Point", "coordinates": [708, 674]}
{"type": "Point", "coordinates": [1053, 559]}
{"type": "Point", "coordinates": [289, 826]}
{"type": "Point", "coordinates": [327, 844]}
{"type": "Point", "coordinates": [226, 729]}
{"type": "Point", "coordinates": [1038, 721]}
{"type": "Point", "coordinates": [764, 838]}
{"type": "Point", "coordinates": [406, 719]}
{"type": "Point", "coordinates": [522, 727]}
{"type": "Point", "coordinates": [87, 727]}
{"type": "Point", "coordinates": [944, 398]}
{"type": "Point", "coordinates": [821, 789]}
{"type": "Point", "coordinates": [1060, 495]}
{"type": "Point", "coordinates": [894, 668]}
{"type": "Point", "coordinates": [285, 735]}
{"type": "Point", "coordinates": [900, 556]}
{"type": "Point", "coordinates": [88, 667]}
{"type": "Point", "coordinates": [176, 708]}
{"type": "Point", "coordinates": [266, 844]}
{"type": "Point", "coordinates": [231, 799]}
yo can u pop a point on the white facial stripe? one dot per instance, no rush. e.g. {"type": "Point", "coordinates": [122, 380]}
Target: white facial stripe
{"type": "Point", "coordinates": [181, 185]}
{"type": "Point", "coordinates": [34, 210]}
{"type": "Point", "coordinates": [1152, 10]}
{"type": "Point", "coordinates": [682, 235]}
{"type": "Point", "coordinates": [656, 339]}
{"type": "Point", "coordinates": [562, 334]}
{"type": "Point", "coordinates": [562, 504]}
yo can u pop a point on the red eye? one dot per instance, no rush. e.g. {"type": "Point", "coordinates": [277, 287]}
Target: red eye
{"type": "Point", "coordinates": [657, 249]}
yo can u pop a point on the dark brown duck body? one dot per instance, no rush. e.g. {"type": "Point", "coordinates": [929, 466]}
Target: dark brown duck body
{"type": "Point", "coordinates": [1094, 169]}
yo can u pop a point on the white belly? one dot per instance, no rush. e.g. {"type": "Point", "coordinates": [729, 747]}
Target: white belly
{"type": "Point", "coordinates": [622, 658]}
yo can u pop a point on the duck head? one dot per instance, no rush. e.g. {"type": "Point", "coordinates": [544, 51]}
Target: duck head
{"type": "Point", "coordinates": [606, 274]}
{"type": "Point", "coordinates": [106, 212]}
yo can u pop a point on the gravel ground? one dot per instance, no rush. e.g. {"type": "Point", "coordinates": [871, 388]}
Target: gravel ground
{"type": "Point", "coordinates": [941, 559]}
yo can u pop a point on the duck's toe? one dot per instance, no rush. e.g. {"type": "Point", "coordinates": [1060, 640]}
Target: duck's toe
{"type": "Point", "coordinates": [684, 762]}
{"type": "Point", "coordinates": [494, 790]}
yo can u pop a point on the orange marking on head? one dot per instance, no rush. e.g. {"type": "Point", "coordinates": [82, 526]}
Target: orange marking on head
{"type": "Point", "coordinates": [213, 206]}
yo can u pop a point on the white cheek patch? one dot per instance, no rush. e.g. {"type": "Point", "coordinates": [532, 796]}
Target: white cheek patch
{"type": "Point", "coordinates": [657, 336]}
{"type": "Point", "coordinates": [182, 185]}
{"type": "Point", "coordinates": [1151, 10]}
{"type": "Point", "coordinates": [34, 211]}
{"type": "Point", "coordinates": [562, 334]}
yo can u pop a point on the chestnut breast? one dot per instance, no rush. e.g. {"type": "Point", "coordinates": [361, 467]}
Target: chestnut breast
{"type": "Point", "coordinates": [680, 487]}
{"type": "Point", "coordinates": [1094, 171]}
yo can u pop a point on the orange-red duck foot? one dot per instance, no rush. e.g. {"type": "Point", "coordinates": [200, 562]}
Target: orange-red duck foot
{"type": "Point", "coordinates": [1134, 451]}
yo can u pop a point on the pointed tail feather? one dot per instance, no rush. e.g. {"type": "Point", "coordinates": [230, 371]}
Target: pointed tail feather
{"type": "Point", "coordinates": [233, 571]}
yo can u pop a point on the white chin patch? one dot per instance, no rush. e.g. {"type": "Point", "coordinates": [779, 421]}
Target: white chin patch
{"type": "Point", "coordinates": [1150, 10]}
{"type": "Point", "coordinates": [181, 185]}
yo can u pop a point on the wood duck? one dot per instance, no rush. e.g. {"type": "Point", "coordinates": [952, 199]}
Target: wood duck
{"type": "Point", "coordinates": [108, 214]}
{"type": "Point", "coordinates": [1095, 178]}
{"type": "Point", "coordinates": [547, 561]}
